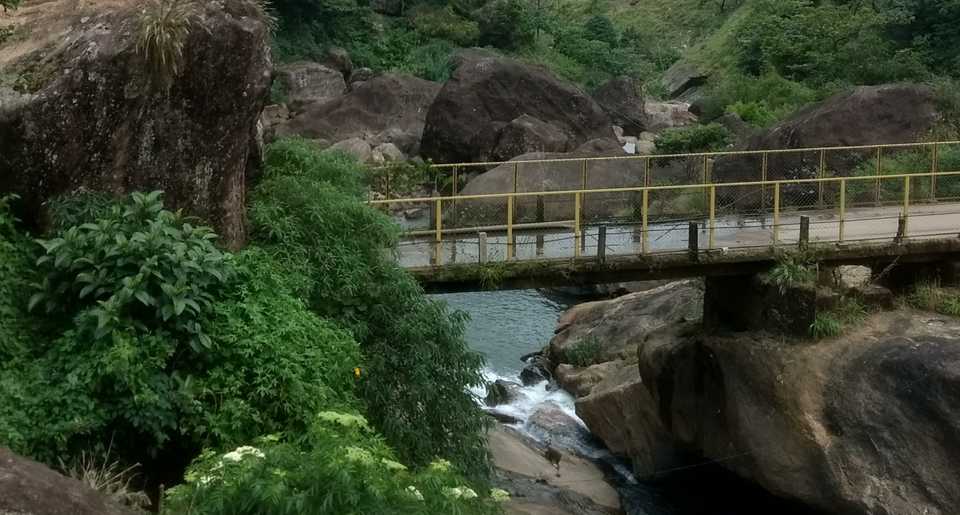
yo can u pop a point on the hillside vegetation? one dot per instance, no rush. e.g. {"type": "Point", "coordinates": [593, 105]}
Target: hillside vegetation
{"type": "Point", "coordinates": [765, 58]}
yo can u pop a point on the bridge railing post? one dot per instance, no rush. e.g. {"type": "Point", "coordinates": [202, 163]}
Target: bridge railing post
{"type": "Point", "coordinates": [804, 240]}
{"type": "Point", "coordinates": [577, 233]}
{"type": "Point", "coordinates": [879, 171]}
{"type": "Point", "coordinates": [713, 216]}
{"type": "Point", "coordinates": [602, 244]}
{"type": "Point", "coordinates": [482, 247]}
{"type": "Point", "coordinates": [693, 243]}
{"type": "Point", "coordinates": [438, 235]}
{"type": "Point", "coordinates": [905, 217]}
{"type": "Point", "coordinates": [934, 165]}
{"type": "Point", "coordinates": [821, 174]}
{"type": "Point", "coordinates": [510, 242]}
{"type": "Point", "coordinates": [644, 233]}
{"type": "Point", "coordinates": [776, 213]}
{"type": "Point", "coordinates": [843, 209]}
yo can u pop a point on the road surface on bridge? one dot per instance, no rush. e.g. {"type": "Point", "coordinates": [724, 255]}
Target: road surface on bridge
{"type": "Point", "coordinates": [864, 224]}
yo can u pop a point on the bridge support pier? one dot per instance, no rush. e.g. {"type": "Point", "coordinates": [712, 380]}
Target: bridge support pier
{"type": "Point", "coordinates": [902, 277]}
{"type": "Point", "coordinates": [744, 303]}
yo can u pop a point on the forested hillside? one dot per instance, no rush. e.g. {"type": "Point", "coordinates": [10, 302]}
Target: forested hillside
{"type": "Point", "coordinates": [765, 58]}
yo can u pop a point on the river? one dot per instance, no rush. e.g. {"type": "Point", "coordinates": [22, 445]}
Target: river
{"type": "Point", "coordinates": [505, 325]}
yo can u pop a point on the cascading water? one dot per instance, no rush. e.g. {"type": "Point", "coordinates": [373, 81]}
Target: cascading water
{"type": "Point", "coordinates": [506, 325]}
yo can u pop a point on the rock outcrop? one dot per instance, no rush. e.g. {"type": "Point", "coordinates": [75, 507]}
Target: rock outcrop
{"type": "Point", "coordinates": [660, 116]}
{"type": "Point", "coordinates": [557, 176]}
{"type": "Point", "coordinates": [31, 488]}
{"type": "Point", "coordinates": [865, 423]}
{"type": "Point", "coordinates": [91, 117]}
{"type": "Point", "coordinates": [622, 99]}
{"type": "Point", "coordinates": [682, 77]}
{"type": "Point", "coordinates": [389, 108]}
{"type": "Point", "coordinates": [867, 115]}
{"type": "Point", "coordinates": [306, 83]}
{"type": "Point", "coordinates": [486, 93]}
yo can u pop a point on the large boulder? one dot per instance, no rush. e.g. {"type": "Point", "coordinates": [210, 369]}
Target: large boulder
{"type": "Point", "coordinates": [556, 176]}
{"type": "Point", "coordinates": [486, 93]}
{"type": "Point", "coordinates": [866, 423]}
{"type": "Point", "coordinates": [622, 99]}
{"type": "Point", "coordinates": [306, 83]}
{"type": "Point", "coordinates": [620, 325]}
{"type": "Point", "coordinates": [867, 115]}
{"type": "Point", "coordinates": [31, 488]}
{"type": "Point", "coordinates": [527, 134]}
{"type": "Point", "coordinates": [390, 101]}
{"type": "Point", "coordinates": [682, 77]}
{"type": "Point", "coordinates": [660, 116]}
{"type": "Point", "coordinates": [93, 119]}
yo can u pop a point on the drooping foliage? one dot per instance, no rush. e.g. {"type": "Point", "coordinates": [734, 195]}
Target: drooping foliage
{"type": "Point", "coordinates": [417, 365]}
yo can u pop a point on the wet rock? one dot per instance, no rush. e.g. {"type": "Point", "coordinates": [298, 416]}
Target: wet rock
{"type": "Point", "coordinates": [486, 93]}
{"type": "Point", "coordinates": [550, 422]}
{"type": "Point", "coordinates": [522, 470]}
{"type": "Point", "coordinates": [622, 99]}
{"type": "Point", "coordinates": [580, 381]}
{"type": "Point", "coordinates": [94, 121]}
{"type": "Point", "coordinates": [503, 418]}
{"type": "Point", "coordinates": [535, 370]}
{"type": "Point", "coordinates": [31, 488]}
{"type": "Point", "coordinates": [307, 83]}
{"type": "Point", "coordinates": [502, 392]}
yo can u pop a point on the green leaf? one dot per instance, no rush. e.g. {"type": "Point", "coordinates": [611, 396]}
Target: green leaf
{"type": "Point", "coordinates": [35, 299]}
{"type": "Point", "coordinates": [145, 298]}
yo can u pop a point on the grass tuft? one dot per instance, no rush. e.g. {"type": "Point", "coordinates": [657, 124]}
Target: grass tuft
{"type": "Point", "coordinates": [164, 27]}
{"type": "Point", "coordinates": [109, 478]}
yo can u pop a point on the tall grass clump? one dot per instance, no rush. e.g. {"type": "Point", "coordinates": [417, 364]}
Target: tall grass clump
{"type": "Point", "coordinates": [848, 312]}
{"type": "Point", "coordinates": [162, 33]}
{"type": "Point", "coordinates": [929, 296]}
{"type": "Point", "coordinates": [792, 270]}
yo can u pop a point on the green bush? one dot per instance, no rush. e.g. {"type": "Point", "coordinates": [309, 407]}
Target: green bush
{"type": "Point", "coordinates": [338, 249]}
{"type": "Point", "coordinates": [906, 163]}
{"type": "Point", "coordinates": [599, 27]}
{"type": "Point", "coordinates": [697, 138]}
{"type": "Point", "coordinates": [929, 296]}
{"type": "Point", "coordinates": [140, 266]}
{"type": "Point", "coordinates": [339, 466]}
{"type": "Point", "coordinates": [79, 208]}
{"type": "Point", "coordinates": [16, 274]}
{"type": "Point", "coordinates": [760, 101]}
{"type": "Point", "coordinates": [792, 271]}
{"type": "Point", "coordinates": [444, 23]}
{"type": "Point", "coordinates": [584, 352]}
{"type": "Point", "coordinates": [849, 312]}
{"type": "Point", "coordinates": [431, 61]}
{"type": "Point", "coordinates": [507, 24]}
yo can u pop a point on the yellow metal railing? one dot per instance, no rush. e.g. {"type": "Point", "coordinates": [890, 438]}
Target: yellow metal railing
{"type": "Point", "coordinates": [710, 190]}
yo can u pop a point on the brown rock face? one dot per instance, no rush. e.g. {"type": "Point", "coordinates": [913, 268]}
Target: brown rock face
{"type": "Point", "coordinates": [31, 488]}
{"type": "Point", "coordinates": [622, 99]}
{"type": "Point", "coordinates": [391, 101]}
{"type": "Point", "coordinates": [485, 93]}
{"type": "Point", "coordinates": [867, 115]}
{"type": "Point", "coordinates": [95, 121]}
{"type": "Point", "coordinates": [527, 134]}
{"type": "Point", "coordinates": [307, 83]}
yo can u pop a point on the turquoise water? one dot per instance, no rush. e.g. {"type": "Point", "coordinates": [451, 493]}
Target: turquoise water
{"type": "Point", "coordinates": [505, 325]}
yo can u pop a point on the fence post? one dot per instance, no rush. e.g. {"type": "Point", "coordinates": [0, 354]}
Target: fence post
{"type": "Point", "coordinates": [706, 177]}
{"type": "Point", "coordinates": [776, 212]}
{"type": "Point", "coordinates": [906, 204]}
{"type": "Point", "coordinates": [576, 224]}
{"type": "Point", "coordinates": [901, 230]}
{"type": "Point", "coordinates": [583, 185]}
{"type": "Point", "coordinates": [541, 210]}
{"type": "Point", "coordinates": [764, 163]}
{"type": "Point", "coordinates": [843, 207]}
{"type": "Point", "coordinates": [510, 248]}
{"type": "Point", "coordinates": [879, 168]}
{"type": "Point", "coordinates": [693, 244]}
{"type": "Point", "coordinates": [804, 232]}
{"type": "Point", "coordinates": [644, 243]}
{"type": "Point", "coordinates": [602, 244]}
{"type": "Point", "coordinates": [454, 188]}
{"type": "Point", "coordinates": [822, 173]}
{"type": "Point", "coordinates": [438, 235]}
{"type": "Point", "coordinates": [516, 175]}
{"type": "Point", "coordinates": [482, 244]}
{"type": "Point", "coordinates": [934, 167]}
{"type": "Point", "coordinates": [713, 216]}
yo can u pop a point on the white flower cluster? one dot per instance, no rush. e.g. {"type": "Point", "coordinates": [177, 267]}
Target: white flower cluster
{"type": "Point", "coordinates": [240, 452]}
{"type": "Point", "coordinates": [460, 492]}
{"type": "Point", "coordinates": [412, 490]}
{"type": "Point", "coordinates": [359, 455]}
{"type": "Point", "coordinates": [499, 495]}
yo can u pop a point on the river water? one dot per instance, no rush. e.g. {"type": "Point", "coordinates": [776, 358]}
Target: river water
{"type": "Point", "coordinates": [505, 325]}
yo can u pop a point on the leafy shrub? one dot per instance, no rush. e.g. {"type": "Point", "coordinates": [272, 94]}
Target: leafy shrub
{"type": "Point", "coordinates": [164, 27]}
{"type": "Point", "coordinates": [599, 27]}
{"type": "Point", "coordinates": [848, 312]}
{"type": "Point", "coordinates": [431, 61]}
{"type": "Point", "coordinates": [338, 249]}
{"type": "Point", "coordinates": [506, 24]}
{"type": "Point", "coordinates": [906, 163]}
{"type": "Point", "coordinates": [770, 96]}
{"type": "Point", "coordinates": [16, 274]}
{"type": "Point", "coordinates": [754, 113]}
{"type": "Point", "coordinates": [444, 23]}
{"type": "Point", "coordinates": [929, 296]}
{"type": "Point", "coordinates": [78, 208]}
{"type": "Point", "coordinates": [584, 352]}
{"type": "Point", "coordinates": [792, 271]}
{"type": "Point", "coordinates": [697, 138]}
{"type": "Point", "coordinates": [338, 466]}
{"type": "Point", "coordinates": [141, 266]}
